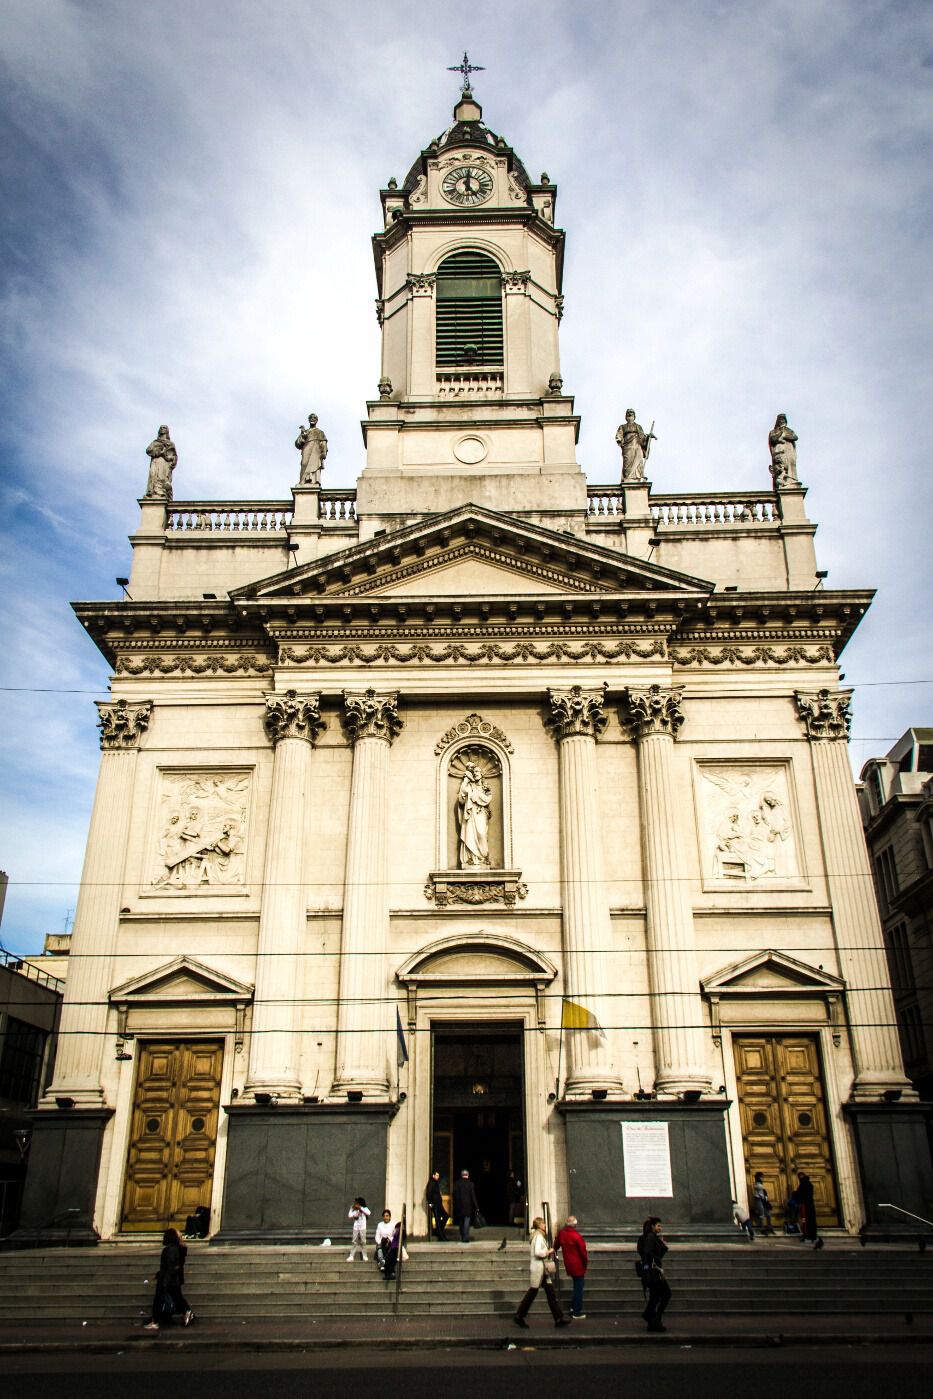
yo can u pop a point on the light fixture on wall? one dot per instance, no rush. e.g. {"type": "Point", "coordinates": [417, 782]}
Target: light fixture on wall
{"type": "Point", "coordinates": [691, 1095]}
{"type": "Point", "coordinates": [265, 1100]}
{"type": "Point", "coordinates": [599, 1095]}
{"type": "Point", "coordinates": [480, 1088]}
{"type": "Point", "coordinates": [354, 1095]}
{"type": "Point", "coordinates": [65, 1103]}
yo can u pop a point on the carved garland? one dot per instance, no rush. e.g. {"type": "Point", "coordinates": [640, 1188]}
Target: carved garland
{"type": "Point", "coordinates": [825, 714]}
{"type": "Point", "coordinates": [490, 651]}
{"type": "Point", "coordinates": [734, 655]}
{"type": "Point", "coordinates": [122, 724]}
{"type": "Point", "coordinates": [193, 665]}
{"type": "Point", "coordinates": [577, 712]}
{"type": "Point", "coordinates": [473, 726]}
{"type": "Point", "coordinates": [291, 716]}
{"type": "Point", "coordinates": [371, 715]}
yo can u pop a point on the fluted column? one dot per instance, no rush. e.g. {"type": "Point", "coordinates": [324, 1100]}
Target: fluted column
{"type": "Point", "coordinates": [654, 716]}
{"type": "Point", "coordinates": [577, 717]}
{"type": "Point", "coordinates": [293, 722]}
{"type": "Point", "coordinates": [371, 721]}
{"type": "Point", "coordinates": [859, 939]}
{"type": "Point", "coordinates": [97, 916]}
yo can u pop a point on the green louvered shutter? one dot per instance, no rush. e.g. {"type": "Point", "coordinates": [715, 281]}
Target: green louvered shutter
{"type": "Point", "coordinates": [469, 312]}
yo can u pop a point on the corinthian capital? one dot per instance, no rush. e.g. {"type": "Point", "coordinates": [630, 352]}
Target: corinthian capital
{"type": "Point", "coordinates": [577, 711]}
{"type": "Point", "coordinates": [293, 716]}
{"type": "Point", "coordinates": [371, 715]}
{"type": "Point", "coordinates": [421, 283]}
{"type": "Point", "coordinates": [825, 714]}
{"type": "Point", "coordinates": [653, 711]}
{"type": "Point", "coordinates": [122, 724]}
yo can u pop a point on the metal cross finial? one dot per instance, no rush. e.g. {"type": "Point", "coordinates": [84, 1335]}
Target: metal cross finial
{"type": "Point", "coordinates": [466, 68]}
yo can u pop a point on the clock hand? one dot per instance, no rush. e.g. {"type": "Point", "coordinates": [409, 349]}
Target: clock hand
{"type": "Point", "coordinates": [468, 183]}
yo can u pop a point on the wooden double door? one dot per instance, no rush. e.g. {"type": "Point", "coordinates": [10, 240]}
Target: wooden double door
{"type": "Point", "coordinates": [782, 1105]}
{"type": "Point", "coordinates": [173, 1135]}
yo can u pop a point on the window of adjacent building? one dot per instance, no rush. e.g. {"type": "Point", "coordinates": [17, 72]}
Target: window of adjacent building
{"type": "Point", "coordinates": [878, 783]}
{"type": "Point", "coordinates": [469, 312]}
{"type": "Point", "coordinates": [886, 877]}
{"type": "Point", "coordinates": [899, 958]}
{"type": "Point", "coordinates": [21, 1062]}
{"type": "Point", "coordinates": [912, 1033]}
{"type": "Point", "coordinates": [925, 757]}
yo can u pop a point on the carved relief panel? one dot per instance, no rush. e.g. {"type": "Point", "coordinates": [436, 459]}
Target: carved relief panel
{"type": "Point", "coordinates": [747, 825]}
{"type": "Point", "coordinates": [200, 831]}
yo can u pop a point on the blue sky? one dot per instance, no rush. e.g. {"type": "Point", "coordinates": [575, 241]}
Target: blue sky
{"type": "Point", "coordinates": [190, 193]}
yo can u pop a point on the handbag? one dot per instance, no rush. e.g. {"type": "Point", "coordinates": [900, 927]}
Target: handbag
{"type": "Point", "coordinates": [550, 1268]}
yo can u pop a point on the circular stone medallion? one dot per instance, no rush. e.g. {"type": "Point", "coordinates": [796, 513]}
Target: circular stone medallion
{"type": "Point", "coordinates": [470, 450]}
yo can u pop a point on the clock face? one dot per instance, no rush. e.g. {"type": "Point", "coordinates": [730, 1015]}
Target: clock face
{"type": "Point", "coordinates": [467, 184]}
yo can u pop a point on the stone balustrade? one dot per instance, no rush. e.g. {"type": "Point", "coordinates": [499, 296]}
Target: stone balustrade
{"type": "Point", "coordinates": [679, 511]}
{"type": "Point", "coordinates": [337, 507]}
{"type": "Point", "coordinates": [227, 517]}
{"type": "Point", "coordinates": [470, 383]}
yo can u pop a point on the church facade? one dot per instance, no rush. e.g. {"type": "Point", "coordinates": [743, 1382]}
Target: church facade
{"type": "Point", "coordinates": [479, 818]}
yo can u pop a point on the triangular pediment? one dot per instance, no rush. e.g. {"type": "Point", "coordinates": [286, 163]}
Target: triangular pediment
{"type": "Point", "coordinates": [182, 979]}
{"type": "Point", "coordinates": [771, 972]}
{"type": "Point", "coordinates": [472, 552]}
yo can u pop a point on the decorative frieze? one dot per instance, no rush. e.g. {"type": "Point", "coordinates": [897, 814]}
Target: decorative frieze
{"type": "Point", "coordinates": [577, 712]}
{"type": "Point", "coordinates": [654, 711]}
{"type": "Point", "coordinates": [752, 655]}
{"type": "Point", "coordinates": [455, 652]}
{"type": "Point", "coordinates": [122, 724]}
{"type": "Point", "coordinates": [293, 716]}
{"type": "Point", "coordinates": [467, 887]}
{"type": "Point", "coordinates": [243, 663]}
{"type": "Point", "coordinates": [825, 714]}
{"type": "Point", "coordinates": [371, 715]}
{"type": "Point", "coordinates": [473, 726]}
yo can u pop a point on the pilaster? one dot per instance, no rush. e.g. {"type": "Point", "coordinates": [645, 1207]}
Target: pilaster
{"type": "Point", "coordinates": [97, 916]}
{"type": "Point", "coordinates": [577, 717]}
{"type": "Point", "coordinates": [372, 722]}
{"type": "Point", "coordinates": [655, 717]}
{"type": "Point", "coordinates": [859, 939]}
{"type": "Point", "coordinates": [293, 723]}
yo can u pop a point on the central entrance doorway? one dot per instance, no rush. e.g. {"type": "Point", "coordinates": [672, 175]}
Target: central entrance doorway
{"type": "Point", "coordinates": [478, 1117]}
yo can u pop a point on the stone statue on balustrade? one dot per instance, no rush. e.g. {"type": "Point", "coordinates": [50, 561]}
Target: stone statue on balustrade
{"type": "Point", "coordinates": [163, 459]}
{"type": "Point", "coordinates": [635, 444]}
{"type": "Point", "coordinates": [782, 441]}
{"type": "Point", "coordinates": [312, 444]}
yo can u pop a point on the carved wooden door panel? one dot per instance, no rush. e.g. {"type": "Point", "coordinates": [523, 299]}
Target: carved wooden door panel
{"type": "Point", "coordinates": [173, 1135]}
{"type": "Point", "coordinates": [783, 1114]}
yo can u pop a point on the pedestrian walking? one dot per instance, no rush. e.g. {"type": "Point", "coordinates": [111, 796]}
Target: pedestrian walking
{"type": "Point", "coordinates": [542, 1273]}
{"type": "Point", "coordinates": [651, 1250]}
{"type": "Point", "coordinates": [741, 1217]}
{"type": "Point", "coordinates": [807, 1207]}
{"type": "Point", "coordinates": [384, 1231]}
{"type": "Point", "coordinates": [359, 1213]}
{"type": "Point", "coordinates": [571, 1245]}
{"type": "Point", "coordinates": [761, 1205]}
{"type": "Point", "coordinates": [466, 1206]}
{"type": "Point", "coordinates": [169, 1301]}
{"type": "Point", "coordinates": [437, 1215]}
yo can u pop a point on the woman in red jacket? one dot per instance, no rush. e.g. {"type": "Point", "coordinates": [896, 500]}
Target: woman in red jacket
{"type": "Point", "coordinates": [572, 1247]}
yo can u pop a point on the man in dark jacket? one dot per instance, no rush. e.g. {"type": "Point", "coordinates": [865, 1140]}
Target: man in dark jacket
{"type": "Point", "coordinates": [465, 1205]}
{"type": "Point", "coordinates": [437, 1215]}
{"type": "Point", "coordinates": [651, 1250]}
{"type": "Point", "coordinates": [572, 1247]}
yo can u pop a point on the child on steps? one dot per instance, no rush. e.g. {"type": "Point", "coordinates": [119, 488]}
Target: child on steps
{"type": "Point", "coordinates": [359, 1214]}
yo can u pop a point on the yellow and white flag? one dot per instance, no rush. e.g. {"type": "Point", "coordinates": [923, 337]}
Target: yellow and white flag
{"type": "Point", "coordinates": [577, 1017]}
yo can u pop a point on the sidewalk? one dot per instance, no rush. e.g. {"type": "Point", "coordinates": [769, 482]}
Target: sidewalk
{"type": "Point", "coordinates": [495, 1332]}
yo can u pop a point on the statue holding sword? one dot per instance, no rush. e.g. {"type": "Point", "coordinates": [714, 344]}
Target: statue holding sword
{"type": "Point", "coordinates": [635, 444]}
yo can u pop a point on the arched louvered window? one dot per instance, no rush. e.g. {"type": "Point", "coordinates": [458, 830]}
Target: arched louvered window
{"type": "Point", "coordinates": [469, 311]}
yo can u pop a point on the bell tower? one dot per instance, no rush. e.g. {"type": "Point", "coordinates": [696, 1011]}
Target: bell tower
{"type": "Point", "coordinates": [469, 268]}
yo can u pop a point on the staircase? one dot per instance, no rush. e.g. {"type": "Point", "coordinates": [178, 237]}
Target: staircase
{"type": "Point", "coordinates": [255, 1284]}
